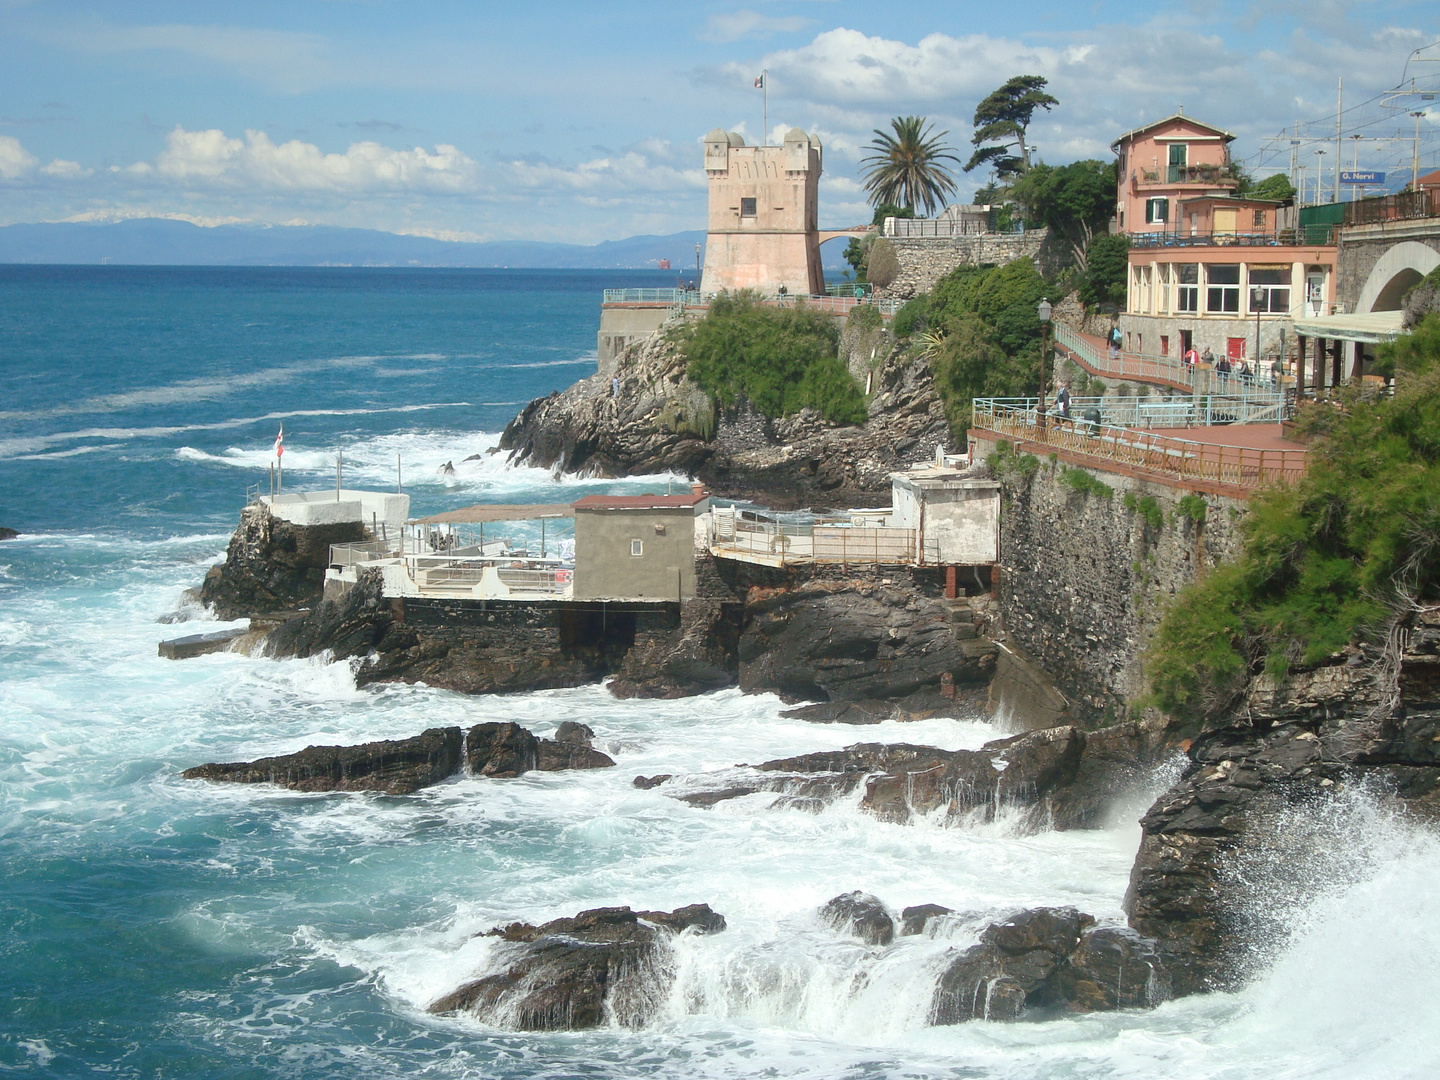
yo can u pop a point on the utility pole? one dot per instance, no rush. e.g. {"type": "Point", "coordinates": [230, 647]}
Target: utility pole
{"type": "Point", "coordinates": [1339, 126]}
{"type": "Point", "coordinates": [1415, 161]}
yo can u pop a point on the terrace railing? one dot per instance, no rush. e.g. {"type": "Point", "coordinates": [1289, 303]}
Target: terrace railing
{"type": "Point", "coordinates": [1305, 236]}
{"type": "Point", "coordinates": [647, 296]}
{"type": "Point", "coordinates": [1402, 206]}
{"type": "Point", "coordinates": [1178, 459]}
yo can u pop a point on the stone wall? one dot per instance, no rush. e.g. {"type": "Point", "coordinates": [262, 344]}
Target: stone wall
{"type": "Point", "coordinates": [1085, 579]}
{"type": "Point", "coordinates": [1389, 247]}
{"type": "Point", "coordinates": [924, 261]}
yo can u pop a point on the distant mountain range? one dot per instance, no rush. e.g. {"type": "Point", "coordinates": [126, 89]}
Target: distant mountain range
{"type": "Point", "coordinates": [163, 242]}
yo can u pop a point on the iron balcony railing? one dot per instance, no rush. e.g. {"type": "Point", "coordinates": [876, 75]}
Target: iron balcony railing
{"type": "Point", "coordinates": [1239, 467]}
{"type": "Point", "coordinates": [1245, 406]}
{"type": "Point", "coordinates": [647, 296]}
{"type": "Point", "coordinates": [1403, 206]}
{"type": "Point", "coordinates": [1304, 236]}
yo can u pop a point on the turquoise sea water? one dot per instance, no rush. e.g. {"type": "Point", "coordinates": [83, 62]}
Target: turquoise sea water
{"type": "Point", "coordinates": [152, 927]}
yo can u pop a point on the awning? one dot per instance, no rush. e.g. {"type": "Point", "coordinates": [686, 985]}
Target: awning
{"type": "Point", "coordinates": [1370, 327]}
{"type": "Point", "coordinates": [474, 515]}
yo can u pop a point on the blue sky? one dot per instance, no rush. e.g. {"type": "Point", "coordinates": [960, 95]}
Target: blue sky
{"type": "Point", "coordinates": [581, 121]}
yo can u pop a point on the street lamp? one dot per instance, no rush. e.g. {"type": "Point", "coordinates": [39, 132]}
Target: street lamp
{"type": "Point", "coordinates": [697, 268]}
{"type": "Point", "coordinates": [1043, 311]}
{"type": "Point", "coordinates": [1257, 298]}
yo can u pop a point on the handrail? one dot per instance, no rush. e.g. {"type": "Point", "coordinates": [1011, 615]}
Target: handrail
{"type": "Point", "coordinates": [1180, 459]}
{"type": "Point", "coordinates": [1318, 235]}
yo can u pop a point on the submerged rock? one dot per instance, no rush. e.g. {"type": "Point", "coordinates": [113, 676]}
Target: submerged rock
{"type": "Point", "coordinates": [581, 972]}
{"type": "Point", "coordinates": [914, 920]}
{"type": "Point", "coordinates": [860, 915]}
{"type": "Point", "coordinates": [396, 767]}
{"type": "Point", "coordinates": [399, 767]}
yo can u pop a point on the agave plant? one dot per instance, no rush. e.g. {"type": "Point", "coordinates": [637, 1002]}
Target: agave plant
{"type": "Point", "coordinates": [905, 168]}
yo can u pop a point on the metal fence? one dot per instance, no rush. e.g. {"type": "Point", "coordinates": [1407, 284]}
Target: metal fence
{"type": "Point", "coordinates": [647, 296]}
{"type": "Point", "coordinates": [1179, 459]}
{"type": "Point", "coordinates": [1305, 236]}
{"type": "Point", "coordinates": [1402, 206]}
{"type": "Point", "coordinates": [365, 551]}
{"type": "Point", "coordinates": [781, 543]}
{"type": "Point", "coordinates": [1248, 406]}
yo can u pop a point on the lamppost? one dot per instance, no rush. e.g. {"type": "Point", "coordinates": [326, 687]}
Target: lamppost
{"type": "Point", "coordinates": [1257, 298]}
{"type": "Point", "coordinates": [1043, 311]}
{"type": "Point", "coordinates": [697, 268]}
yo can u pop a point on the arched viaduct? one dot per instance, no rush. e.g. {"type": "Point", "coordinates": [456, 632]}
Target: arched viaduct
{"type": "Point", "coordinates": [1379, 263]}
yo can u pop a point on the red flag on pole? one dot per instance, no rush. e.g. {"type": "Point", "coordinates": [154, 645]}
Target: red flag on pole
{"type": "Point", "coordinates": [280, 442]}
{"type": "Point", "coordinates": [759, 82]}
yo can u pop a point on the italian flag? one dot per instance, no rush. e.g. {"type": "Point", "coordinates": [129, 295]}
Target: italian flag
{"type": "Point", "coordinates": [280, 442]}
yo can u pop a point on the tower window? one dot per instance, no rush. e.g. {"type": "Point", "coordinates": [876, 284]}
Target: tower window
{"type": "Point", "coordinates": [637, 547]}
{"type": "Point", "coordinates": [747, 207]}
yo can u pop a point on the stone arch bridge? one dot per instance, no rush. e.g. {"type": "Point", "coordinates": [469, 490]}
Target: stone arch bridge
{"type": "Point", "coordinates": [1379, 263]}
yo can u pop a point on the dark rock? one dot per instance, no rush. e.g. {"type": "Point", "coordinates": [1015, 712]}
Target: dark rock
{"type": "Point", "coordinates": [697, 657]}
{"type": "Point", "coordinates": [860, 915]}
{"type": "Point", "coordinates": [707, 799]}
{"type": "Point", "coordinates": [913, 920]}
{"type": "Point", "coordinates": [851, 640]}
{"type": "Point", "coordinates": [396, 767]}
{"type": "Point", "coordinates": [860, 758]}
{"type": "Point", "coordinates": [645, 783]}
{"type": "Point", "coordinates": [7, 534]}
{"type": "Point", "coordinates": [272, 564]}
{"type": "Point", "coordinates": [995, 979]}
{"type": "Point", "coordinates": [501, 750]}
{"type": "Point", "coordinates": [575, 973]}
{"type": "Point", "coordinates": [844, 712]}
{"type": "Point", "coordinates": [1113, 968]}
{"type": "Point", "coordinates": [573, 733]}
{"type": "Point", "coordinates": [554, 756]}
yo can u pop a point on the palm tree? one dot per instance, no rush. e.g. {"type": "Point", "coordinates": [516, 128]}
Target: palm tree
{"type": "Point", "coordinates": [905, 168]}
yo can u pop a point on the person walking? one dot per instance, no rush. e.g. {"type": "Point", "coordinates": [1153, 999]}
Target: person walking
{"type": "Point", "coordinates": [1116, 340]}
{"type": "Point", "coordinates": [1062, 401]}
{"type": "Point", "coordinates": [1189, 359]}
{"type": "Point", "coordinates": [1222, 368]}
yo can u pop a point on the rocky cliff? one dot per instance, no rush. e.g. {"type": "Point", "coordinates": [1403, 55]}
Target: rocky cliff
{"type": "Point", "coordinates": [661, 421]}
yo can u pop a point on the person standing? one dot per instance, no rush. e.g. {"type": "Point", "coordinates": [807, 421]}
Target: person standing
{"type": "Point", "coordinates": [1116, 339]}
{"type": "Point", "coordinates": [1062, 401]}
{"type": "Point", "coordinates": [1189, 360]}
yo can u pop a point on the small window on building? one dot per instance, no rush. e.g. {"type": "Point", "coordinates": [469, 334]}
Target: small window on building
{"type": "Point", "coordinates": [1222, 295]}
{"type": "Point", "coordinates": [747, 207]}
{"type": "Point", "coordinates": [637, 547]}
{"type": "Point", "coordinates": [1164, 344]}
{"type": "Point", "coordinates": [1259, 221]}
{"type": "Point", "coordinates": [1187, 288]}
{"type": "Point", "coordinates": [1157, 211]}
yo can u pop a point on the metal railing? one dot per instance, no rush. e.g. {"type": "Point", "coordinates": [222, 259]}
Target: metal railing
{"type": "Point", "coordinates": [1305, 236]}
{"type": "Point", "coordinates": [1402, 206]}
{"type": "Point", "coordinates": [783, 543]}
{"type": "Point", "coordinates": [1161, 455]}
{"type": "Point", "coordinates": [365, 551]}
{"type": "Point", "coordinates": [1249, 405]}
{"type": "Point", "coordinates": [647, 296]}
{"type": "Point", "coordinates": [941, 229]}
{"type": "Point", "coordinates": [465, 578]}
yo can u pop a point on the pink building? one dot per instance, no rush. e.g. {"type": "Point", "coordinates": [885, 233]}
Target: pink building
{"type": "Point", "coordinates": [1207, 268]}
{"type": "Point", "coordinates": [1161, 163]}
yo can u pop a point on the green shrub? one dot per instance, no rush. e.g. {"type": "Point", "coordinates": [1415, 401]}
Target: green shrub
{"type": "Point", "coordinates": [1331, 559]}
{"type": "Point", "coordinates": [1146, 507]}
{"type": "Point", "coordinates": [1086, 484]}
{"type": "Point", "coordinates": [1106, 270]}
{"type": "Point", "coordinates": [1008, 465]}
{"type": "Point", "coordinates": [780, 359]}
{"type": "Point", "coordinates": [864, 318]}
{"type": "Point", "coordinates": [1192, 507]}
{"type": "Point", "coordinates": [910, 319]}
{"type": "Point", "coordinates": [884, 266]}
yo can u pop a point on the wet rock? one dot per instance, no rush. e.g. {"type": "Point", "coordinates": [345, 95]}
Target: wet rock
{"type": "Point", "coordinates": [707, 799]}
{"type": "Point", "coordinates": [272, 564]}
{"type": "Point", "coordinates": [697, 657]}
{"type": "Point", "coordinates": [860, 915]}
{"type": "Point", "coordinates": [574, 733]}
{"type": "Point", "coordinates": [914, 920]}
{"type": "Point", "coordinates": [994, 979]}
{"type": "Point", "coordinates": [508, 750]}
{"type": "Point", "coordinates": [844, 712]}
{"type": "Point", "coordinates": [852, 640]}
{"type": "Point", "coordinates": [576, 973]}
{"type": "Point", "coordinates": [645, 783]}
{"type": "Point", "coordinates": [1113, 968]}
{"type": "Point", "coordinates": [7, 534]}
{"type": "Point", "coordinates": [396, 767]}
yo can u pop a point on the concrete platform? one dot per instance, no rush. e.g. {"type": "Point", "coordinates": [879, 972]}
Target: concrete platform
{"type": "Point", "coordinates": [1249, 436]}
{"type": "Point", "coordinates": [183, 648]}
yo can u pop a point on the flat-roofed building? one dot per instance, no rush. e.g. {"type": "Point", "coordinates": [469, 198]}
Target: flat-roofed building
{"type": "Point", "coordinates": [638, 547]}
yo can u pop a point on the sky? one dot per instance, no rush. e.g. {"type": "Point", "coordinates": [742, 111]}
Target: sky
{"type": "Point", "coordinates": [581, 122]}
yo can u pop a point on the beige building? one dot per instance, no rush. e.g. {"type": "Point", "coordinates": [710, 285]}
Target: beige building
{"type": "Point", "coordinates": [637, 547]}
{"type": "Point", "coordinates": [764, 215]}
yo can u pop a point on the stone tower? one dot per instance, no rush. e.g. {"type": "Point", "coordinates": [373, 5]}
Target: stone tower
{"type": "Point", "coordinates": [763, 215]}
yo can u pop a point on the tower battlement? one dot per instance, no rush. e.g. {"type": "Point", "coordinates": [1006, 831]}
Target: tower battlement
{"type": "Point", "coordinates": [764, 214]}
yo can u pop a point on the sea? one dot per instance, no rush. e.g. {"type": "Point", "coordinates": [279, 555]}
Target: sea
{"type": "Point", "coordinates": [156, 927]}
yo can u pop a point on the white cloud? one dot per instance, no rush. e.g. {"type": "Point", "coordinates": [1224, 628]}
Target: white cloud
{"type": "Point", "coordinates": [213, 159]}
{"type": "Point", "coordinates": [737, 25]}
{"type": "Point", "coordinates": [15, 160]}
{"type": "Point", "coordinates": [65, 170]}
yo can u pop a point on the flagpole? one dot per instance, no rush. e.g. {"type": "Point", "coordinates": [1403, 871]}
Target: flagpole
{"type": "Point", "coordinates": [764, 106]}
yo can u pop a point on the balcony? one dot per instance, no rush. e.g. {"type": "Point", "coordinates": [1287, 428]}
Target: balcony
{"type": "Point", "coordinates": [1305, 236]}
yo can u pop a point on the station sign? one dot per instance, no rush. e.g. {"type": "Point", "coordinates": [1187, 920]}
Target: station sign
{"type": "Point", "coordinates": [1361, 176]}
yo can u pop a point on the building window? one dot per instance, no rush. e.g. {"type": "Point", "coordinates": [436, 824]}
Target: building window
{"type": "Point", "coordinates": [747, 207]}
{"type": "Point", "coordinates": [1178, 155]}
{"type": "Point", "coordinates": [1222, 296]}
{"type": "Point", "coordinates": [1187, 289]}
{"type": "Point", "coordinates": [1259, 220]}
{"type": "Point", "coordinates": [1272, 283]}
{"type": "Point", "coordinates": [637, 547]}
{"type": "Point", "coordinates": [1157, 211]}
